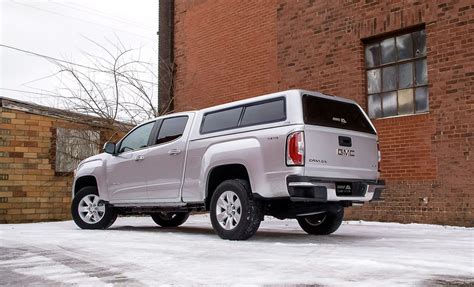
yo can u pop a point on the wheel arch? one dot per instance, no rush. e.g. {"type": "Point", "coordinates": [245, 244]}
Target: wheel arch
{"type": "Point", "coordinates": [220, 173]}
{"type": "Point", "coordinates": [83, 181]}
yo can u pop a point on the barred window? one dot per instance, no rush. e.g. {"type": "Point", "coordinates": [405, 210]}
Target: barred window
{"type": "Point", "coordinates": [397, 79]}
{"type": "Point", "coordinates": [72, 146]}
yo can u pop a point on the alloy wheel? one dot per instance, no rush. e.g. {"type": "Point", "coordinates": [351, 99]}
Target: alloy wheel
{"type": "Point", "coordinates": [229, 210]}
{"type": "Point", "coordinates": [91, 209]}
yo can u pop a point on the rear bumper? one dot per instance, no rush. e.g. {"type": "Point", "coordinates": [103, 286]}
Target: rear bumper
{"type": "Point", "coordinates": [303, 188]}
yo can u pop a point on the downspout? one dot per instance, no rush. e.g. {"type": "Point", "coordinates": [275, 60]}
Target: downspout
{"type": "Point", "coordinates": [166, 66]}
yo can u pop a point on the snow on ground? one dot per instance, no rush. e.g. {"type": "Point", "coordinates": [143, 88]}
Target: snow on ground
{"type": "Point", "coordinates": [134, 251]}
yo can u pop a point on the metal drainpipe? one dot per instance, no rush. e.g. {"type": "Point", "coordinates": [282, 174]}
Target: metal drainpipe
{"type": "Point", "coordinates": [166, 54]}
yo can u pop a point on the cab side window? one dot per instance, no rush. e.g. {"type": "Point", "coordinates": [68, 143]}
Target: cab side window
{"type": "Point", "coordinates": [171, 129]}
{"type": "Point", "coordinates": [138, 138]}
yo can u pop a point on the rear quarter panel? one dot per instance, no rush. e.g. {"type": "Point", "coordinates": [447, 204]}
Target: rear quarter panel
{"type": "Point", "coordinates": [261, 151]}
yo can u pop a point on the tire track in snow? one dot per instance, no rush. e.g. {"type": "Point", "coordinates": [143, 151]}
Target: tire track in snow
{"type": "Point", "coordinates": [28, 265]}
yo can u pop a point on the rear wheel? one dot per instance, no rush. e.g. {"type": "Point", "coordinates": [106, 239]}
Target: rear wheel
{"type": "Point", "coordinates": [170, 219]}
{"type": "Point", "coordinates": [321, 224]}
{"type": "Point", "coordinates": [235, 214]}
{"type": "Point", "coordinates": [90, 212]}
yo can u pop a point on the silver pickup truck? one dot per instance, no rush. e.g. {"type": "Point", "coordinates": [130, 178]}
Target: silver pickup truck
{"type": "Point", "coordinates": [292, 154]}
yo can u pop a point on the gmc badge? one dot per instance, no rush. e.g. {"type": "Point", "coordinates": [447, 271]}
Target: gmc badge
{"type": "Point", "coordinates": [345, 152]}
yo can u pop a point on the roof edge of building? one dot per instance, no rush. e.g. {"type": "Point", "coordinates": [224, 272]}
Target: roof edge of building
{"type": "Point", "coordinates": [32, 108]}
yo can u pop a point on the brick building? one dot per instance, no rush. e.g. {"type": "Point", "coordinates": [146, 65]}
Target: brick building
{"type": "Point", "coordinates": [39, 149]}
{"type": "Point", "coordinates": [410, 64]}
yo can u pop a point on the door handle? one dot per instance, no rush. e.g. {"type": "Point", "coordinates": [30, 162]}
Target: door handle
{"type": "Point", "coordinates": [174, 151]}
{"type": "Point", "coordinates": [140, 157]}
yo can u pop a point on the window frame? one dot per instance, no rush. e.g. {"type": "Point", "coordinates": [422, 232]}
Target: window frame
{"type": "Point", "coordinates": [156, 131]}
{"type": "Point", "coordinates": [57, 146]}
{"type": "Point", "coordinates": [242, 112]}
{"type": "Point", "coordinates": [215, 112]}
{"type": "Point", "coordinates": [413, 60]}
{"type": "Point", "coordinates": [370, 127]}
{"type": "Point", "coordinates": [262, 103]}
{"type": "Point", "coordinates": [119, 144]}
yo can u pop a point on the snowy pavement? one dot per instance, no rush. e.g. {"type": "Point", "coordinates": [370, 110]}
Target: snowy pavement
{"type": "Point", "coordinates": [135, 252]}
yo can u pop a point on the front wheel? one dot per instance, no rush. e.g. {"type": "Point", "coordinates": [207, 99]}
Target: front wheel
{"type": "Point", "coordinates": [235, 214]}
{"type": "Point", "coordinates": [171, 219]}
{"type": "Point", "coordinates": [321, 224]}
{"type": "Point", "coordinates": [90, 212]}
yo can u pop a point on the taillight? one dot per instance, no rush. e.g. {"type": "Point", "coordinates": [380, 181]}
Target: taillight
{"type": "Point", "coordinates": [295, 149]}
{"type": "Point", "coordinates": [379, 156]}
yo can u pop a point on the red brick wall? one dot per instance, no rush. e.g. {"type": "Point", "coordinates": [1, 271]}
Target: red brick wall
{"type": "Point", "coordinates": [226, 50]}
{"type": "Point", "coordinates": [427, 159]}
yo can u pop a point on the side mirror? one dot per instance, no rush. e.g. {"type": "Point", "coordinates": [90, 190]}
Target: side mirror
{"type": "Point", "coordinates": [109, 147]}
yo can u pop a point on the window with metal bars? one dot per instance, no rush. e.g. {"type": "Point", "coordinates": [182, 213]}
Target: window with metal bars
{"type": "Point", "coordinates": [397, 78]}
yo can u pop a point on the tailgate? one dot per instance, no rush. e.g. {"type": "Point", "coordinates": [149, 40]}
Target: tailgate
{"type": "Point", "coordinates": [340, 141]}
{"type": "Point", "coordinates": [338, 153]}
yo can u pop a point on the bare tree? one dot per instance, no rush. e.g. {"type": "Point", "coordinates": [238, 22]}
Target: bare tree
{"type": "Point", "coordinates": [116, 85]}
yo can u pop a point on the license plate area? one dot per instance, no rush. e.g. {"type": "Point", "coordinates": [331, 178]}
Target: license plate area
{"type": "Point", "coordinates": [343, 188]}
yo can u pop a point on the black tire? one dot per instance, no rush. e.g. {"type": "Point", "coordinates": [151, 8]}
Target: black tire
{"type": "Point", "coordinates": [251, 211]}
{"type": "Point", "coordinates": [172, 219]}
{"type": "Point", "coordinates": [321, 224]}
{"type": "Point", "coordinates": [109, 215]}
